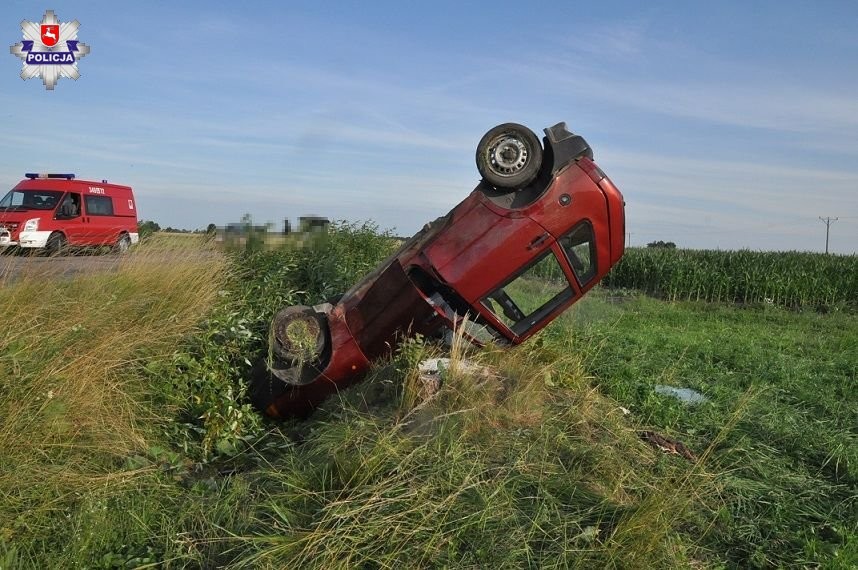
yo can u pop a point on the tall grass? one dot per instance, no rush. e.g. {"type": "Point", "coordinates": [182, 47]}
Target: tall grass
{"type": "Point", "coordinates": [515, 462]}
{"type": "Point", "coordinates": [790, 279]}
{"type": "Point", "coordinates": [71, 413]}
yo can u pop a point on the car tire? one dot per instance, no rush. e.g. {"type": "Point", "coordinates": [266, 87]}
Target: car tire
{"type": "Point", "coordinates": [509, 156]}
{"type": "Point", "coordinates": [122, 244]}
{"type": "Point", "coordinates": [56, 244]}
{"type": "Point", "coordinates": [298, 341]}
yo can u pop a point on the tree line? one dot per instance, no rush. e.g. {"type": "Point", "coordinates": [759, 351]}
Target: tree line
{"type": "Point", "coordinates": [148, 227]}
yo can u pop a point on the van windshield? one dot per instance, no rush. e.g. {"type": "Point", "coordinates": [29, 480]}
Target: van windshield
{"type": "Point", "coordinates": [31, 199]}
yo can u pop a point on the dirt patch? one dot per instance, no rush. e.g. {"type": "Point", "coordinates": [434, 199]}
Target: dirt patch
{"type": "Point", "coordinates": [667, 445]}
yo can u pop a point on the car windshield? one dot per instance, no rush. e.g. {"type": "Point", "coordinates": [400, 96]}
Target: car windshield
{"type": "Point", "coordinates": [31, 199]}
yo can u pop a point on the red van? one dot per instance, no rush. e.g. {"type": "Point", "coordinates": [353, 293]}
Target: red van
{"type": "Point", "coordinates": [52, 211]}
{"type": "Point", "coordinates": [543, 226]}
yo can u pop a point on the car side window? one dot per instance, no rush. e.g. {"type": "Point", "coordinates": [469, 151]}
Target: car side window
{"type": "Point", "coordinates": [531, 295]}
{"type": "Point", "coordinates": [579, 246]}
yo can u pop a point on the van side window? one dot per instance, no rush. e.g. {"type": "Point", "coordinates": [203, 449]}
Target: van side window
{"type": "Point", "coordinates": [580, 249]}
{"type": "Point", "coordinates": [99, 205]}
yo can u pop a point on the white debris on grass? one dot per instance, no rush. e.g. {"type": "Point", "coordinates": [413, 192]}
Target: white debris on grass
{"type": "Point", "coordinates": [685, 395]}
{"type": "Point", "coordinates": [432, 371]}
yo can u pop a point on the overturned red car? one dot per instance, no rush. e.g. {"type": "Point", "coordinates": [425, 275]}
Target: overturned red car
{"type": "Point", "coordinates": [538, 211]}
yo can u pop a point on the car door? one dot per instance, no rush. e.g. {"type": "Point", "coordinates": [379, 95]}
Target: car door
{"type": "Point", "coordinates": [481, 246]}
{"type": "Point", "coordinates": [530, 298]}
{"type": "Point", "coordinates": [538, 292]}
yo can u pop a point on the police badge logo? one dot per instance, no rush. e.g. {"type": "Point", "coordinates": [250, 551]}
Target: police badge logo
{"type": "Point", "coordinates": [61, 52]}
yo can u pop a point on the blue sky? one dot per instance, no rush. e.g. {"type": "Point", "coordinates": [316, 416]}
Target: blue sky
{"type": "Point", "coordinates": [726, 125]}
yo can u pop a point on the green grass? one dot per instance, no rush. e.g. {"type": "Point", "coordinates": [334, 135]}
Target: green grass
{"type": "Point", "coordinates": [529, 458]}
{"type": "Point", "coordinates": [789, 468]}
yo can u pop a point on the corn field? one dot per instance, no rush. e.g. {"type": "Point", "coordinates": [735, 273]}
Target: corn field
{"type": "Point", "coordinates": [792, 279]}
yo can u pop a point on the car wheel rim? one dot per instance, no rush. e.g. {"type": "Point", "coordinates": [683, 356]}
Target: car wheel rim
{"type": "Point", "coordinates": [508, 155]}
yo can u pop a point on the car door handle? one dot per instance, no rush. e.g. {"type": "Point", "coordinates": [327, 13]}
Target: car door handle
{"type": "Point", "coordinates": [537, 241]}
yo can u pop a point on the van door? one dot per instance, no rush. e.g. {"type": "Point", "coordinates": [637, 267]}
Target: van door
{"type": "Point", "coordinates": [99, 213]}
{"type": "Point", "coordinates": [70, 218]}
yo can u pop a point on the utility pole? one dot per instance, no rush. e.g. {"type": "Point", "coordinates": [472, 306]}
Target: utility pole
{"type": "Point", "coordinates": [629, 236]}
{"type": "Point", "coordinates": [827, 221]}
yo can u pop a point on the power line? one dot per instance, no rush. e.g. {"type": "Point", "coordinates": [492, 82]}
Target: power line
{"type": "Point", "coordinates": [827, 221]}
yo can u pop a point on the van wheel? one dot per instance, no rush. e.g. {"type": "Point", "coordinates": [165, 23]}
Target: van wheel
{"type": "Point", "coordinates": [122, 244]}
{"type": "Point", "coordinates": [56, 244]}
{"type": "Point", "coordinates": [509, 156]}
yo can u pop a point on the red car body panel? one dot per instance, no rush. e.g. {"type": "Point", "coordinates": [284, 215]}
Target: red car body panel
{"type": "Point", "coordinates": [457, 265]}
